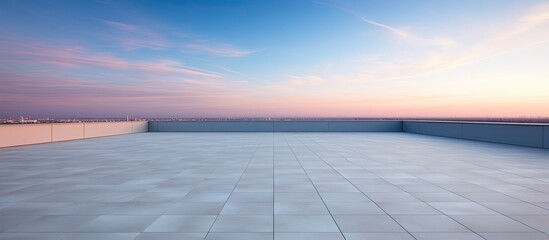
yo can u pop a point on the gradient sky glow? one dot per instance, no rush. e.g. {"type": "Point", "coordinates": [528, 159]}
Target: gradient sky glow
{"type": "Point", "coordinates": [284, 58]}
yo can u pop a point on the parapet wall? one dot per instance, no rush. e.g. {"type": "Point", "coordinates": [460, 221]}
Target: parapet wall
{"type": "Point", "coordinates": [23, 134]}
{"type": "Point", "coordinates": [276, 126]}
{"type": "Point", "coordinates": [522, 134]}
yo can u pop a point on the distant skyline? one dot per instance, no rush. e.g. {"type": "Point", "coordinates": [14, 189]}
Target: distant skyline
{"type": "Point", "coordinates": [287, 58]}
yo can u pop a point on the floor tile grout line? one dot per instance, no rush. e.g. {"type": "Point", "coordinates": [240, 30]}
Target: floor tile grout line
{"type": "Point", "coordinates": [317, 192]}
{"type": "Point", "coordinates": [356, 187]}
{"type": "Point", "coordinates": [240, 178]}
{"type": "Point", "coordinates": [457, 193]}
{"type": "Point", "coordinates": [442, 213]}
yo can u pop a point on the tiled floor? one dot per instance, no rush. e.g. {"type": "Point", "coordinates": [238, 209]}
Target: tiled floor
{"type": "Point", "coordinates": [283, 186]}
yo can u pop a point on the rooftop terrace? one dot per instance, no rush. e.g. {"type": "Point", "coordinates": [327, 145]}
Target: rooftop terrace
{"type": "Point", "coordinates": [274, 185]}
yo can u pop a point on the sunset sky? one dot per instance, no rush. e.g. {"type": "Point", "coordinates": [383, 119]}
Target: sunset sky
{"type": "Point", "coordinates": [283, 58]}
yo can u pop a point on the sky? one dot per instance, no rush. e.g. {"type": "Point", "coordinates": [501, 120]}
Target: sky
{"type": "Point", "coordinates": [284, 58]}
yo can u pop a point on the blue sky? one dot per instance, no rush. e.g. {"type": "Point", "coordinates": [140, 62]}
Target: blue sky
{"type": "Point", "coordinates": [274, 58]}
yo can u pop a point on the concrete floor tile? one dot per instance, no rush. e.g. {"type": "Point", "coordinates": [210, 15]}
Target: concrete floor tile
{"type": "Point", "coordinates": [175, 185]}
{"type": "Point", "coordinates": [378, 236]}
{"type": "Point", "coordinates": [182, 224]}
{"type": "Point", "coordinates": [447, 236]}
{"type": "Point", "coordinates": [308, 236]}
{"type": "Point", "coordinates": [367, 224]}
{"type": "Point", "coordinates": [430, 223]}
{"type": "Point", "coordinates": [195, 208]}
{"type": "Point", "coordinates": [305, 223]}
{"type": "Point", "coordinates": [298, 208]}
{"type": "Point", "coordinates": [118, 224]}
{"type": "Point", "coordinates": [239, 236]}
{"type": "Point", "coordinates": [247, 208]}
{"type": "Point", "coordinates": [492, 224]}
{"type": "Point", "coordinates": [243, 223]}
{"type": "Point", "coordinates": [53, 224]}
{"type": "Point", "coordinates": [171, 236]}
{"type": "Point", "coordinates": [515, 236]}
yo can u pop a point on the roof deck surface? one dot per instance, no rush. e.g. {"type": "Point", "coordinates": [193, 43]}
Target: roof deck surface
{"type": "Point", "coordinates": [285, 186]}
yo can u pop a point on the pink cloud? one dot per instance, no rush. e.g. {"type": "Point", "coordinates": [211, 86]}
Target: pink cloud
{"type": "Point", "coordinates": [79, 57]}
{"type": "Point", "coordinates": [133, 36]}
{"type": "Point", "coordinates": [221, 50]}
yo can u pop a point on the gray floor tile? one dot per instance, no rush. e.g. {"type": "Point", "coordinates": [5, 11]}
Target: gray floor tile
{"type": "Point", "coordinates": [239, 236]}
{"type": "Point", "coordinates": [102, 236]}
{"type": "Point", "coordinates": [10, 221]}
{"type": "Point", "coordinates": [251, 197]}
{"type": "Point", "coordinates": [399, 208]}
{"type": "Point", "coordinates": [305, 223]}
{"type": "Point", "coordinates": [118, 224]}
{"type": "Point", "coordinates": [171, 236]}
{"type": "Point", "coordinates": [33, 236]}
{"type": "Point", "coordinates": [253, 208]}
{"type": "Point", "coordinates": [298, 208]}
{"type": "Point", "coordinates": [462, 208]}
{"type": "Point", "coordinates": [429, 223]}
{"type": "Point", "coordinates": [447, 236]}
{"type": "Point", "coordinates": [344, 197]}
{"type": "Point", "coordinates": [159, 197]}
{"type": "Point", "coordinates": [493, 224]}
{"type": "Point", "coordinates": [308, 236]}
{"type": "Point", "coordinates": [128, 181]}
{"type": "Point", "coordinates": [297, 197]}
{"type": "Point", "coordinates": [182, 224]}
{"type": "Point", "coordinates": [206, 197]}
{"type": "Point", "coordinates": [440, 197]}
{"type": "Point", "coordinates": [515, 236]}
{"type": "Point", "coordinates": [539, 222]}
{"type": "Point", "coordinates": [507, 208]}
{"type": "Point", "coordinates": [243, 223]}
{"type": "Point", "coordinates": [367, 224]}
{"type": "Point", "coordinates": [53, 224]}
{"type": "Point", "coordinates": [392, 197]}
{"type": "Point", "coordinates": [338, 208]}
{"type": "Point", "coordinates": [378, 236]}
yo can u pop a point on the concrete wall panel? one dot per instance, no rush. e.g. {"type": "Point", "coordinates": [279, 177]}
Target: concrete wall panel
{"type": "Point", "coordinates": [152, 126]}
{"type": "Point", "coordinates": [365, 126]}
{"type": "Point", "coordinates": [67, 131]}
{"type": "Point", "coordinates": [24, 134]}
{"type": "Point", "coordinates": [411, 127]}
{"type": "Point", "coordinates": [530, 135]}
{"type": "Point", "coordinates": [302, 126]}
{"type": "Point", "coordinates": [242, 126]}
{"type": "Point", "coordinates": [140, 127]}
{"type": "Point", "coordinates": [14, 135]}
{"type": "Point", "coordinates": [523, 135]}
{"type": "Point", "coordinates": [106, 129]}
{"type": "Point", "coordinates": [546, 136]}
{"type": "Point", "coordinates": [181, 127]}
{"type": "Point", "coordinates": [277, 126]}
{"type": "Point", "coordinates": [440, 129]}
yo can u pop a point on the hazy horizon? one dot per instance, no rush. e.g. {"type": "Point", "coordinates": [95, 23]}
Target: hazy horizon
{"type": "Point", "coordinates": [309, 58]}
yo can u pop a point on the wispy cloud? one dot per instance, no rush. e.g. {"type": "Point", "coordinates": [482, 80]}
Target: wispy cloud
{"type": "Point", "coordinates": [400, 33]}
{"type": "Point", "coordinates": [219, 50]}
{"type": "Point", "coordinates": [132, 36]}
{"type": "Point", "coordinates": [527, 31]}
{"type": "Point", "coordinates": [310, 80]}
{"type": "Point", "coordinates": [53, 90]}
{"type": "Point", "coordinates": [79, 57]}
